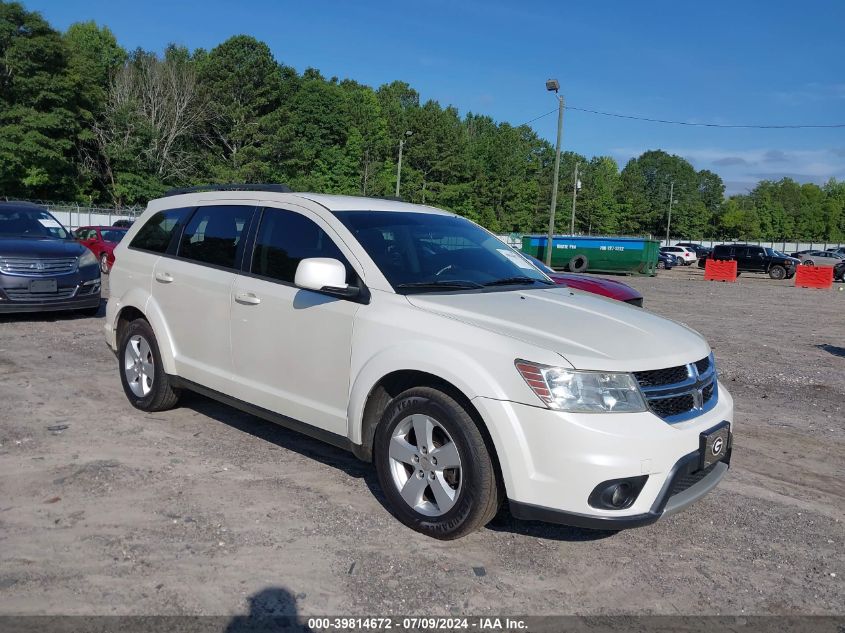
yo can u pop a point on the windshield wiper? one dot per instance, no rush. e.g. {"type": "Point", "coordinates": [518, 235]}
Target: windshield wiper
{"type": "Point", "coordinates": [441, 284]}
{"type": "Point", "coordinates": [512, 281]}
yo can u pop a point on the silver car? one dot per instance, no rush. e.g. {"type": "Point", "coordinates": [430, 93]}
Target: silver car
{"type": "Point", "coordinates": [819, 258]}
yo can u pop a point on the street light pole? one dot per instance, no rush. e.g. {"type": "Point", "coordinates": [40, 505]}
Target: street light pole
{"type": "Point", "coordinates": [399, 164]}
{"type": "Point", "coordinates": [552, 85]}
{"type": "Point", "coordinates": [574, 197]}
{"type": "Point", "coordinates": [671, 202]}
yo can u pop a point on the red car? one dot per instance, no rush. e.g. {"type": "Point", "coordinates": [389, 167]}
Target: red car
{"type": "Point", "coordinates": [101, 241]}
{"type": "Point", "coordinates": [597, 285]}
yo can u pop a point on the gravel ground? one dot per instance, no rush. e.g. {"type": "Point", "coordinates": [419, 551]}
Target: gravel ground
{"type": "Point", "coordinates": [205, 510]}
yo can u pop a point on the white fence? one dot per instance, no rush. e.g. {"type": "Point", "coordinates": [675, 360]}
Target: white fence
{"type": "Point", "coordinates": [74, 217]}
{"type": "Point", "coordinates": [783, 247]}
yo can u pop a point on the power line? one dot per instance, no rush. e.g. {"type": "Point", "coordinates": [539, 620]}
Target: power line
{"type": "Point", "coordinates": [690, 123]}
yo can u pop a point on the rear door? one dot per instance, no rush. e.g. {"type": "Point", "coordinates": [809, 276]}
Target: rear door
{"type": "Point", "coordinates": [192, 288]}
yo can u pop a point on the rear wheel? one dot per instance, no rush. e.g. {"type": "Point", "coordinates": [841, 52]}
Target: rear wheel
{"type": "Point", "coordinates": [141, 371]}
{"type": "Point", "coordinates": [104, 264]}
{"type": "Point", "coordinates": [777, 272]}
{"type": "Point", "coordinates": [808, 262]}
{"type": "Point", "coordinates": [434, 466]}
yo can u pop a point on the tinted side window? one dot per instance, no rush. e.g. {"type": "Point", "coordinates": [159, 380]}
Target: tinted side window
{"type": "Point", "coordinates": [156, 233]}
{"type": "Point", "coordinates": [722, 251]}
{"type": "Point", "coordinates": [286, 238]}
{"type": "Point", "coordinates": [214, 234]}
{"type": "Point", "coordinates": [741, 251]}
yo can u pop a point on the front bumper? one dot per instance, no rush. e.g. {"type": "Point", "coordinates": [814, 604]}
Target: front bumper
{"type": "Point", "coordinates": [552, 461]}
{"type": "Point", "coordinates": [74, 291]}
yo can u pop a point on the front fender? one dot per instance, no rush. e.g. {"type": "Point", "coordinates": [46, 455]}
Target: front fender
{"type": "Point", "coordinates": [430, 357]}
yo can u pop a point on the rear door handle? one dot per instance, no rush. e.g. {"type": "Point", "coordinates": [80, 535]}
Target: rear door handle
{"type": "Point", "coordinates": [164, 278]}
{"type": "Point", "coordinates": [247, 298]}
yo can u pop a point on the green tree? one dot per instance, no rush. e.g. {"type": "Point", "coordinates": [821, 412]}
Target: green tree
{"type": "Point", "coordinates": [38, 118]}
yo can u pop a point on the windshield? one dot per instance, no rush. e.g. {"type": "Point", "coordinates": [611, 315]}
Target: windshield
{"type": "Point", "coordinates": [424, 252]}
{"type": "Point", "coordinates": [773, 253]}
{"type": "Point", "coordinates": [18, 222]}
{"type": "Point", "coordinates": [112, 235]}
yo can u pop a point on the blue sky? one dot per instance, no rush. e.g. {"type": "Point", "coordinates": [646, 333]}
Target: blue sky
{"type": "Point", "coordinates": [732, 62]}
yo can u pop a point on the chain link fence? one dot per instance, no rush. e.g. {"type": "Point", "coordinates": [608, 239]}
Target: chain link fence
{"type": "Point", "coordinates": [74, 214]}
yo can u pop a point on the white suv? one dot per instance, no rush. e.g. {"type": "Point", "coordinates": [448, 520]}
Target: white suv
{"type": "Point", "coordinates": [419, 341]}
{"type": "Point", "coordinates": [685, 255]}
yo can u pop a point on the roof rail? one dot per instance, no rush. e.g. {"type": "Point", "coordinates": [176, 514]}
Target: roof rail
{"type": "Point", "coordinates": [275, 188]}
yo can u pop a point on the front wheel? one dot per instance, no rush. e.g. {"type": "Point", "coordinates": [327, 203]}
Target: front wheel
{"type": "Point", "coordinates": [434, 466]}
{"type": "Point", "coordinates": [661, 265]}
{"type": "Point", "coordinates": [141, 371]}
{"type": "Point", "coordinates": [777, 272]}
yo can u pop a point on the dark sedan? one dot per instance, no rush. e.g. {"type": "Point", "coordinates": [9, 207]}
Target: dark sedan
{"type": "Point", "coordinates": [42, 268]}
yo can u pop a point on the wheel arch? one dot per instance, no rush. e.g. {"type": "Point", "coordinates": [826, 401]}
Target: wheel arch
{"type": "Point", "coordinates": [148, 310]}
{"type": "Point", "coordinates": [391, 385]}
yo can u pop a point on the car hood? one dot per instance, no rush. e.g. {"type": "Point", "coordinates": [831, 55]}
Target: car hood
{"type": "Point", "coordinates": [38, 247]}
{"type": "Point", "coordinates": [590, 332]}
{"type": "Point", "coordinates": [598, 285]}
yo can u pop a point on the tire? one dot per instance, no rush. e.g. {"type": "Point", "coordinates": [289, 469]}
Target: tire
{"type": "Point", "coordinates": [460, 500]}
{"type": "Point", "coordinates": [149, 390]}
{"type": "Point", "coordinates": [777, 272]}
{"type": "Point", "coordinates": [808, 262]}
{"type": "Point", "coordinates": [661, 265]}
{"type": "Point", "coordinates": [104, 264]}
{"type": "Point", "coordinates": [579, 264]}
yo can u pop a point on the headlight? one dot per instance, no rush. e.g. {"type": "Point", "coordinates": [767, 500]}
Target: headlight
{"type": "Point", "coordinates": [582, 391]}
{"type": "Point", "coordinates": [87, 259]}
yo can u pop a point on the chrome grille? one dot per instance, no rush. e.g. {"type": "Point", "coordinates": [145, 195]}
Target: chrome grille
{"type": "Point", "coordinates": [25, 295]}
{"type": "Point", "coordinates": [680, 393]}
{"type": "Point", "coordinates": [37, 266]}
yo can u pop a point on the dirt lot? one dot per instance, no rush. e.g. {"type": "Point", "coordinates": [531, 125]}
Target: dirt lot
{"type": "Point", "coordinates": [205, 510]}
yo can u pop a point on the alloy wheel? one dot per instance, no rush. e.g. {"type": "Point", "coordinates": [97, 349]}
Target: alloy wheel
{"type": "Point", "coordinates": [139, 366]}
{"type": "Point", "coordinates": [425, 465]}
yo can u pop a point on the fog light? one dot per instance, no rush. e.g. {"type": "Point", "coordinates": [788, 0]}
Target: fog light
{"type": "Point", "coordinates": [617, 494]}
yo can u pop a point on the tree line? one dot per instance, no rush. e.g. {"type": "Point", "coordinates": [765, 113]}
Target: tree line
{"type": "Point", "coordinates": [83, 119]}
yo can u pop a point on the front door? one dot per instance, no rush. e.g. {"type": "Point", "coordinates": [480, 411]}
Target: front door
{"type": "Point", "coordinates": [291, 348]}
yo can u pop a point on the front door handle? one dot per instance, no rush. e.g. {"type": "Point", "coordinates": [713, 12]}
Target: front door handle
{"type": "Point", "coordinates": [164, 278]}
{"type": "Point", "coordinates": [247, 298]}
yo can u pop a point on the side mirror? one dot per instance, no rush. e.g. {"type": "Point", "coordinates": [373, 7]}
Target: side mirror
{"type": "Point", "coordinates": [322, 274]}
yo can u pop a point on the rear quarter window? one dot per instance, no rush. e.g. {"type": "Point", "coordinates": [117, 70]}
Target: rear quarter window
{"type": "Point", "coordinates": [156, 234]}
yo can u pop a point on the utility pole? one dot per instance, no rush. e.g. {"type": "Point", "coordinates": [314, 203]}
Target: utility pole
{"type": "Point", "coordinates": [671, 202]}
{"type": "Point", "coordinates": [552, 85]}
{"type": "Point", "coordinates": [399, 164]}
{"type": "Point", "coordinates": [574, 196]}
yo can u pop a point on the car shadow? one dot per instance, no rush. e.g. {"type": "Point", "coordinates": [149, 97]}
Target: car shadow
{"type": "Point", "coordinates": [51, 316]}
{"type": "Point", "coordinates": [278, 435]}
{"type": "Point", "coordinates": [272, 609]}
{"type": "Point", "coordinates": [505, 522]}
{"type": "Point", "coordinates": [342, 460]}
{"type": "Point", "coordinates": [832, 349]}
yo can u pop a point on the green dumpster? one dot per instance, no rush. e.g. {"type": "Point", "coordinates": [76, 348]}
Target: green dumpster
{"type": "Point", "coordinates": [626, 255]}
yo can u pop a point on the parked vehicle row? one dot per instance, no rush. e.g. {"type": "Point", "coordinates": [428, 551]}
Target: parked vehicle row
{"type": "Point", "coordinates": [421, 342]}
